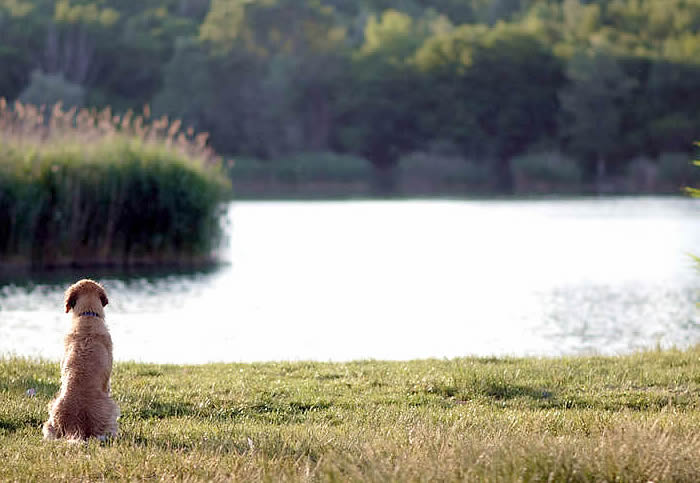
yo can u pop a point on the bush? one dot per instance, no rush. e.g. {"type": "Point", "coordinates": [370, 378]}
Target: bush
{"type": "Point", "coordinates": [676, 170]}
{"type": "Point", "coordinates": [434, 171]}
{"type": "Point", "coordinates": [642, 175]}
{"type": "Point", "coordinates": [87, 189]}
{"type": "Point", "coordinates": [304, 167]}
{"type": "Point", "coordinates": [49, 89]}
{"type": "Point", "coordinates": [546, 171]}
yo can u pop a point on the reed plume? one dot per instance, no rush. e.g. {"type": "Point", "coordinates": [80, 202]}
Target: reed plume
{"type": "Point", "coordinates": [87, 186]}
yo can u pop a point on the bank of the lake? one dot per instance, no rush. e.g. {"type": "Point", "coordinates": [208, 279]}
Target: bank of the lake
{"type": "Point", "coordinates": [338, 176]}
{"type": "Point", "coordinates": [628, 418]}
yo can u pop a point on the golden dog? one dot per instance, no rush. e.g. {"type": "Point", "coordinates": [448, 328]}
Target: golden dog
{"type": "Point", "coordinates": [84, 408]}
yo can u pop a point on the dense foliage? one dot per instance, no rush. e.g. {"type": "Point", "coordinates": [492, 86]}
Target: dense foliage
{"type": "Point", "coordinates": [609, 84]}
{"type": "Point", "coordinates": [85, 188]}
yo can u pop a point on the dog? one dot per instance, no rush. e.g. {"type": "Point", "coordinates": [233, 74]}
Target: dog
{"type": "Point", "coordinates": [84, 407]}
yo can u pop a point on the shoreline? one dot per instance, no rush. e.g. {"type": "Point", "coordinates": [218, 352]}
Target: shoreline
{"type": "Point", "coordinates": [264, 190]}
{"type": "Point", "coordinates": [496, 358]}
{"type": "Point", "coordinates": [17, 265]}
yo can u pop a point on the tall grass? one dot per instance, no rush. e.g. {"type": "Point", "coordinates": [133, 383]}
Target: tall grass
{"type": "Point", "coordinates": [87, 187]}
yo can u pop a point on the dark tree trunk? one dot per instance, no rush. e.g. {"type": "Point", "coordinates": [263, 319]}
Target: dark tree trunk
{"type": "Point", "coordinates": [385, 181]}
{"type": "Point", "coordinates": [319, 125]}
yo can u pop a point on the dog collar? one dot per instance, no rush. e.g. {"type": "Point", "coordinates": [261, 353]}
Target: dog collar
{"type": "Point", "coordinates": [89, 313]}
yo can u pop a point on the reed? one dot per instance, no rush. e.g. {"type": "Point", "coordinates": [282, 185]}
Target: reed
{"type": "Point", "coordinates": [86, 187]}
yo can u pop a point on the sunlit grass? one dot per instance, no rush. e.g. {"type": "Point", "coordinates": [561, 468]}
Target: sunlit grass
{"type": "Point", "coordinates": [631, 418]}
{"type": "Point", "coordinates": [89, 188]}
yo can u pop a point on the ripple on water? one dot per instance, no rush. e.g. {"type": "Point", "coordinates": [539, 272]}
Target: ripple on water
{"type": "Point", "coordinates": [612, 319]}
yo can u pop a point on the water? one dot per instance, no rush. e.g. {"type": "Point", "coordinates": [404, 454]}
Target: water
{"type": "Point", "coordinates": [399, 280]}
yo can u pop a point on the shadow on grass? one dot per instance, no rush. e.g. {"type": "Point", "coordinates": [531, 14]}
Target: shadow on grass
{"type": "Point", "coordinates": [498, 390]}
{"type": "Point", "coordinates": [9, 426]}
{"type": "Point", "coordinates": [495, 360]}
{"type": "Point", "coordinates": [157, 409]}
{"type": "Point", "coordinates": [222, 445]}
{"type": "Point", "coordinates": [14, 425]}
{"type": "Point", "coordinates": [268, 410]}
{"type": "Point", "coordinates": [149, 373]}
{"type": "Point", "coordinates": [328, 377]}
{"type": "Point", "coordinates": [634, 400]}
{"type": "Point", "coordinates": [293, 408]}
{"type": "Point", "coordinates": [273, 445]}
{"type": "Point", "coordinates": [544, 399]}
{"type": "Point", "coordinates": [503, 391]}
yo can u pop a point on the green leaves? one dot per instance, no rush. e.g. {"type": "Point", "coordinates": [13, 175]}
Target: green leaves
{"type": "Point", "coordinates": [85, 13]}
{"type": "Point", "coordinates": [379, 79]}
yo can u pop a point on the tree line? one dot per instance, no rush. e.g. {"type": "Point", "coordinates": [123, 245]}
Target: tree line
{"type": "Point", "coordinates": [597, 84]}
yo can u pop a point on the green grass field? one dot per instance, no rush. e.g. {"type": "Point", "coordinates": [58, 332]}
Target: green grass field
{"type": "Point", "coordinates": [628, 418]}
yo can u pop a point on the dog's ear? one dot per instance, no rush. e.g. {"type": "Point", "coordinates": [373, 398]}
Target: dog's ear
{"type": "Point", "coordinates": [103, 297]}
{"type": "Point", "coordinates": [71, 298]}
{"type": "Point", "coordinates": [81, 287]}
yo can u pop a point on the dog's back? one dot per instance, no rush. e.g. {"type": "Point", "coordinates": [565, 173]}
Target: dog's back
{"type": "Point", "coordinates": [83, 408]}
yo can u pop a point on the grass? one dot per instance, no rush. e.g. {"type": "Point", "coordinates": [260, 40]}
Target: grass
{"type": "Point", "coordinates": [628, 418]}
{"type": "Point", "coordinates": [89, 188]}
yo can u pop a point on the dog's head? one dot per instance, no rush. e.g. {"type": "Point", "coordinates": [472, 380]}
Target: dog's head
{"type": "Point", "coordinates": [88, 294]}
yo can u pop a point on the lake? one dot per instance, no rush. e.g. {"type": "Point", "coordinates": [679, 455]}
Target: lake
{"type": "Point", "coordinates": [399, 280]}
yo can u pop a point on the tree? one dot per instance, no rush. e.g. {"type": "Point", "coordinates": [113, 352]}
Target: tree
{"type": "Point", "coordinates": [695, 193]}
{"type": "Point", "coordinates": [392, 36]}
{"type": "Point", "coordinates": [73, 37]}
{"type": "Point", "coordinates": [592, 104]}
{"type": "Point", "coordinates": [268, 73]}
{"type": "Point", "coordinates": [21, 37]}
{"type": "Point", "coordinates": [377, 114]}
{"type": "Point", "coordinates": [49, 89]}
{"type": "Point", "coordinates": [378, 117]}
{"type": "Point", "coordinates": [493, 91]}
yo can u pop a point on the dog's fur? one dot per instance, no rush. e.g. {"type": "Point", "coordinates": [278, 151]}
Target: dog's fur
{"type": "Point", "coordinates": [84, 408]}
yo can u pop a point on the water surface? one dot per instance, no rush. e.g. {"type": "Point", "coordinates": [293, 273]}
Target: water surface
{"type": "Point", "coordinates": [399, 280]}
